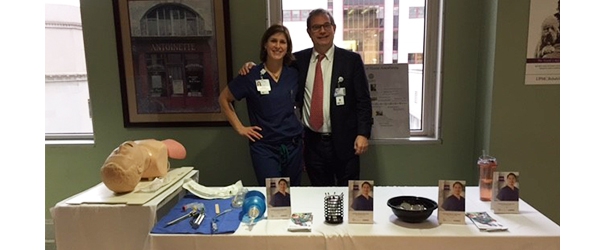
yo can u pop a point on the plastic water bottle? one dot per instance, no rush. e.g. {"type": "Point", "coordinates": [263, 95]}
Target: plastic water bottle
{"type": "Point", "coordinates": [487, 165]}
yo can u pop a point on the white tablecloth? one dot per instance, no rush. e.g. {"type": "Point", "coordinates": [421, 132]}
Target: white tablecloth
{"type": "Point", "coordinates": [527, 230]}
{"type": "Point", "coordinates": [113, 227]}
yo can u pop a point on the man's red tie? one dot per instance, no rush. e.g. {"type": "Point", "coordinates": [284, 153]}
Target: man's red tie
{"type": "Point", "coordinates": [316, 113]}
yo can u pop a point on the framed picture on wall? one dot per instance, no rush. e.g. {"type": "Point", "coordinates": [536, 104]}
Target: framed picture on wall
{"type": "Point", "coordinates": [174, 59]}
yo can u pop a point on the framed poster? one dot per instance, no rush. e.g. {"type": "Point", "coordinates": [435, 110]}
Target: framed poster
{"type": "Point", "coordinates": [543, 44]}
{"type": "Point", "coordinates": [174, 59]}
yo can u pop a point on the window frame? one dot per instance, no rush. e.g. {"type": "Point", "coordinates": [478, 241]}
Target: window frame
{"type": "Point", "coordinates": [432, 73]}
{"type": "Point", "coordinates": [67, 138]}
{"type": "Point", "coordinates": [70, 139]}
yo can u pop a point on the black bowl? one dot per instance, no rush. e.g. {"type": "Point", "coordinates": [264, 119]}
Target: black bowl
{"type": "Point", "coordinates": [412, 216]}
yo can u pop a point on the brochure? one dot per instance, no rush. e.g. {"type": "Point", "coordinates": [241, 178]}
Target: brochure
{"type": "Point", "coordinates": [300, 222]}
{"type": "Point", "coordinates": [485, 222]}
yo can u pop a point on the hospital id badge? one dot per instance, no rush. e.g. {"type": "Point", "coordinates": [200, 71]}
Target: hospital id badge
{"type": "Point", "coordinates": [339, 100]}
{"type": "Point", "coordinates": [263, 86]}
{"type": "Point", "coordinates": [339, 92]}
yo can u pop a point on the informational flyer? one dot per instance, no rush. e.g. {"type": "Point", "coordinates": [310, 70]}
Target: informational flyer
{"type": "Point", "coordinates": [388, 84]}
{"type": "Point", "coordinates": [361, 203]}
{"type": "Point", "coordinates": [451, 202]}
{"type": "Point", "coordinates": [543, 44]}
{"type": "Point", "coordinates": [505, 193]}
{"type": "Point", "coordinates": [278, 198]}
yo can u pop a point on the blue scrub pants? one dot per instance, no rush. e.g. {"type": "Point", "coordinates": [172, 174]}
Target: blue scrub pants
{"type": "Point", "coordinates": [278, 160]}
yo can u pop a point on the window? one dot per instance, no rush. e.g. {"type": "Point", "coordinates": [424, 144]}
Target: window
{"type": "Point", "coordinates": [67, 104]}
{"type": "Point", "coordinates": [295, 15]}
{"type": "Point", "coordinates": [385, 32]}
{"type": "Point", "coordinates": [170, 20]}
{"type": "Point", "coordinates": [416, 12]}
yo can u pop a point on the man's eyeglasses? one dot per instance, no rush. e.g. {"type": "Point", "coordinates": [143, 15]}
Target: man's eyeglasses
{"type": "Point", "coordinates": [317, 27]}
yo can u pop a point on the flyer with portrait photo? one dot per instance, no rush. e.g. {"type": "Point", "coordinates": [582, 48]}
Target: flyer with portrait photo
{"type": "Point", "coordinates": [451, 202]}
{"type": "Point", "coordinates": [505, 192]}
{"type": "Point", "coordinates": [360, 200]}
{"type": "Point", "coordinates": [278, 198]}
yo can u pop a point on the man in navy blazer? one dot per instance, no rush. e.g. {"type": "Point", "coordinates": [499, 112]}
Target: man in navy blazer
{"type": "Point", "coordinates": [332, 151]}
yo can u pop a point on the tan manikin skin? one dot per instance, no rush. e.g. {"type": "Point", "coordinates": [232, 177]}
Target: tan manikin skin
{"type": "Point", "coordinates": [132, 161]}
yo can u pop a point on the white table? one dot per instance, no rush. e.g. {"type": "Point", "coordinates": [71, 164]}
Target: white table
{"type": "Point", "coordinates": [112, 226]}
{"type": "Point", "coordinates": [527, 230]}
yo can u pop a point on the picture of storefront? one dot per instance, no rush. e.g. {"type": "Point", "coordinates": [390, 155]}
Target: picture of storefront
{"type": "Point", "coordinates": [174, 57]}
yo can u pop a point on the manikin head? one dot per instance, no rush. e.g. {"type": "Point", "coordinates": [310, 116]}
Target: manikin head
{"type": "Point", "coordinates": [133, 160]}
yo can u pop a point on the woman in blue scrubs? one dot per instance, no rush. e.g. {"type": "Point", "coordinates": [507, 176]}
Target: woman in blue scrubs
{"type": "Point", "coordinates": [270, 89]}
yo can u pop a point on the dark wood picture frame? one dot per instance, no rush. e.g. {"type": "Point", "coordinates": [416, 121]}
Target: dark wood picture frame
{"type": "Point", "coordinates": [174, 59]}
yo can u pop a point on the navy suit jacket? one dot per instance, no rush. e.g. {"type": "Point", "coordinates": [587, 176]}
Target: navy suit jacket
{"type": "Point", "coordinates": [355, 116]}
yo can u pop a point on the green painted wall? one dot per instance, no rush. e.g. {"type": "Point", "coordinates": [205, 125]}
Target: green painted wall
{"type": "Point", "coordinates": [222, 157]}
{"type": "Point", "coordinates": [525, 119]}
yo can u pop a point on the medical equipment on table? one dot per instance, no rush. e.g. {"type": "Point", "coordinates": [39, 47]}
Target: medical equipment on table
{"type": "Point", "coordinates": [192, 214]}
{"type": "Point", "coordinates": [198, 218]}
{"type": "Point", "coordinates": [192, 205]}
{"type": "Point", "coordinates": [254, 206]}
{"type": "Point", "coordinates": [214, 220]}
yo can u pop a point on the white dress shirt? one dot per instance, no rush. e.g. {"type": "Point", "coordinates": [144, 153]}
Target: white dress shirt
{"type": "Point", "coordinates": [326, 69]}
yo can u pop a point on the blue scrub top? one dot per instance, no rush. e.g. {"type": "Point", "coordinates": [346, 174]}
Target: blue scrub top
{"type": "Point", "coordinates": [454, 204]}
{"type": "Point", "coordinates": [508, 194]}
{"type": "Point", "coordinates": [280, 200]}
{"type": "Point", "coordinates": [273, 112]}
{"type": "Point", "coordinates": [362, 203]}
